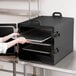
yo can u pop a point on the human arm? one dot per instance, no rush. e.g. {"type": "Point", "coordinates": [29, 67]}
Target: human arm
{"type": "Point", "coordinates": [20, 40]}
{"type": "Point", "coordinates": [5, 38]}
{"type": "Point", "coordinates": [5, 46]}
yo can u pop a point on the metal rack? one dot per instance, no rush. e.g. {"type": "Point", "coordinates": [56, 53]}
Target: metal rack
{"type": "Point", "coordinates": [11, 59]}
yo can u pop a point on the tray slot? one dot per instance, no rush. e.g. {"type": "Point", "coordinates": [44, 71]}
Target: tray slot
{"type": "Point", "coordinates": [37, 43]}
{"type": "Point", "coordinates": [36, 51]}
{"type": "Point", "coordinates": [37, 48]}
{"type": "Point", "coordinates": [37, 35]}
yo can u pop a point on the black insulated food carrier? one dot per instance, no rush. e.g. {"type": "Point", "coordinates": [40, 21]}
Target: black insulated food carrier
{"type": "Point", "coordinates": [51, 38]}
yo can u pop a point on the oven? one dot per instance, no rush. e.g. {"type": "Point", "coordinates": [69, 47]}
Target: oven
{"type": "Point", "coordinates": [6, 29]}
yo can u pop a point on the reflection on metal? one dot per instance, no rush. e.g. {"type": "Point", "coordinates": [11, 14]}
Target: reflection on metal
{"type": "Point", "coordinates": [14, 68]}
{"type": "Point", "coordinates": [25, 73]}
{"type": "Point", "coordinates": [34, 71]}
{"type": "Point", "coordinates": [10, 71]}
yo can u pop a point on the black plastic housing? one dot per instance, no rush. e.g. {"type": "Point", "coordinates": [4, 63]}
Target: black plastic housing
{"type": "Point", "coordinates": [60, 44]}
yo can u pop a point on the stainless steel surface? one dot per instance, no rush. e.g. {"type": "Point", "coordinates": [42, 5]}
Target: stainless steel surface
{"type": "Point", "coordinates": [10, 71]}
{"type": "Point", "coordinates": [43, 72]}
{"type": "Point", "coordinates": [25, 73]}
{"type": "Point", "coordinates": [11, 59]}
{"type": "Point", "coordinates": [40, 40]}
{"type": "Point", "coordinates": [14, 68]}
{"type": "Point", "coordinates": [67, 65]}
{"type": "Point", "coordinates": [34, 71]}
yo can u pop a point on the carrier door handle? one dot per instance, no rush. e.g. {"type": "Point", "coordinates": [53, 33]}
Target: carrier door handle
{"type": "Point", "coordinates": [56, 34]}
{"type": "Point", "coordinates": [56, 51]}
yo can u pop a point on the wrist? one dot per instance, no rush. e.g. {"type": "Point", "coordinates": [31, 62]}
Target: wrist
{"type": "Point", "coordinates": [17, 41]}
{"type": "Point", "coordinates": [12, 43]}
{"type": "Point", "coordinates": [11, 35]}
{"type": "Point", "coordinates": [1, 39]}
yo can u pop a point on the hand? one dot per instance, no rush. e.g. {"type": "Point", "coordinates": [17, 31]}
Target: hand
{"type": "Point", "coordinates": [22, 40]}
{"type": "Point", "coordinates": [14, 34]}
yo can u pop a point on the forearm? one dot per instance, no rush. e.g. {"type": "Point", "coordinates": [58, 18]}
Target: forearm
{"type": "Point", "coordinates": [5, 38]}
{"type": "Point", "coordinates": [12, 43]}
{"type": "Point", "coordinates": [20, 40]}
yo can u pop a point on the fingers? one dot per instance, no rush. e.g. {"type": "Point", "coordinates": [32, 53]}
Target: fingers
{"type": "Point", "coordinates": [22, 40]}
{"type": "Point", "coordinates": [16, 34]}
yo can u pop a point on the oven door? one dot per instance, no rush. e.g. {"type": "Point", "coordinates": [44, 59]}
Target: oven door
{"type": "Point", "coordinates": [6, 30]}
